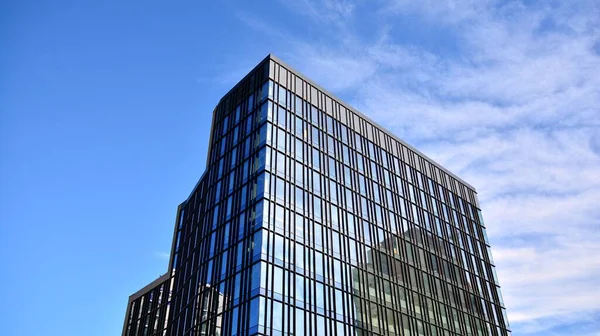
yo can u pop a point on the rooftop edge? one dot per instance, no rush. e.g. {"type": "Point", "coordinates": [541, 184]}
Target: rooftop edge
{"type": "Point", "coordinates": [362, 115]}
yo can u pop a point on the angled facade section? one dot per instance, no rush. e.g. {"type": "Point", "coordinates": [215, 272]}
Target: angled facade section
{"type": "Point", "coordinates": [311, 219]}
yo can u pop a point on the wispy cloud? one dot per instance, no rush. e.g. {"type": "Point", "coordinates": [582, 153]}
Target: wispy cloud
{"type": "Point", "coordinates": [509, 99]}
{"type": "Point", "coordinates": [323, 11]}
{"type": "Point", "coordinates": [162, 255]}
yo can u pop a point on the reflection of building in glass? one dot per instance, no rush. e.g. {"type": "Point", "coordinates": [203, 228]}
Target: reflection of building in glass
{"type": "Point", "coordinates": [432, 265]}
{"type": "Point", "coordinates": [313, 220]}
{"type": "Point", "coordinates": [211, 303]}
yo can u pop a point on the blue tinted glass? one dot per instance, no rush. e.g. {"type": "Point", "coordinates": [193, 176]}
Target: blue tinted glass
{"type": "Point", "coordinates": [299, 322]}
{"type": "Point", "coordinates": [319, 263]}
{"type": "Point", "coordinates": [299, 227]}
{"type": "Point", "coordinates": [281, 139]}
{"type": "Point", "coordinates": [316, 158]}
{"type": "Point", "coordinates": [299, 127]}
{"type": "Point", "coordinates": [258, 220]}
{"type": "Point", "coordinates": [299, 198]}
{"type": "Point", "coordinates": [265, 112]}
{"type": "Point", "coordinates": [249, 105]}
{"type": "Point", "coordinates": [234, 321]}
{"type": "Point", "coordinates": [260, 185]}
{"type": "Point", "coordinates": [209, 273]}
{"type": "Point", "coordinates": [315, 136]}
{"type": "Point", "coordinates": [256, 272]}
{"type": "Point", "coordinates": [316, 182]}
{"type": "Point", "coordinates": [278, 248]}
{"type": "Point", "coordinates": [254, 311]}
{"type": "Point", "coordinates": [266, 91]}
{"type": "Point", "coordinates": [314, 115]}
{"type": "Point", "coordinates": [224, 261]}
{"type": "Point", "coordinates": [282, 97]}
{"type": "Point", "coordinates": [281, 114]}
{"type": "Point", "coordinates": [280, 189]}
{"type": "Point", "coordinates": [299, 151]}
{"type": "Point", "coordinates": [332, 170]}
{"type": "Point", "coordinates": [277, 316]}
{"type": "Point", "coordinates": [257, 243]}
{"type": "Point", "coordinates": [280, 161]}
{"type": "Point", "coordinates": [317, 208]}
{"type": "Point", "coordinates": [279, 217]}
{"type": "Point", "coordinates": [299, 256]}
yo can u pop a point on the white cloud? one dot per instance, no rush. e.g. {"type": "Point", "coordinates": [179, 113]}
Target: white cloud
{"type": "Point", "coordinates": [162, 255]}
{"type": "Point", "coordinates": [323, 11]}
{"type": "Point", "coordinates": [516, 113]}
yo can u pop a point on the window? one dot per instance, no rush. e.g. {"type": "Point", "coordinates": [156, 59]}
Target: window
{"type": "Point", "coordinates": [346, 154]}
{"type": "Point", "coordinates": [319, 264]}
{"type": "Point", "coordinates": [320, 299]}
{"type": "Point", "coordinates": [265, 91]}
{"type": "Point", "coordinates": [280, 189]}
{"type": "Point", "coordinates": [278, 248]}
{"type": "Point", "coordinates": [281, 139]}
{"type": "Point", "coordinates": [299, 322]}
{"type": "Point", "coordinates": [265, 112]}
{"type": "Point", "coordinates": [357, 142]}
{"type": "Point", "coordinates": [282, 96]}
{"type": "Point", "coordinates": [279, 216]}
{"type": "Point", "coordinates": [234, 321]}
{"type": "Point", "coordinates": [255, 308]}
{"type": "Point", "coordinates": [281, 113]}
{"type": "Point", "coordinates": [299, 127]}
{"type": "Point", "coordinates": [299, 227]}
{"type": "Point", "coordinates": [315, 136]}
{"type": "Point", "coordinates": [256, 272]}
{"type": "Point", "coordinates": [299, 256]}
{"type": "Point", "coordinates": [225, 124]}
{"type": "Point", "coordinates": [333, 191]}
{"type": "Point", "coordinates": [334, 216]}
{"type": "Point", "coordinates": [299, 173]}
{"type": "Point", "coordinates": [299, 199]}
{"type": "Point", "coordinates": [316, 183]}
{"type": "Point", "coordinates": [318, 235]}
{"type": "Point", "coordinates": [332, 170]}
{"type": "Point", "coordinates": [299, 105]}
{"type": "Point", "coordinates": [317, 208]}
{"type": "Point", "coordinates": [280, 161]}
{"type": "Point", "coordinates": [330, 145]}
{"type": "Point", "coordinates": [277, 316]}
{"type": "Point", "coordinates": [330, 125]}
{"type": "Point", "coordinates": [336, 243]}
{"type": "Point", "coordinates": [316, 159]}
{"type": "Point", "coordinates": [314, 115]}
{"type": "Point", "coordinates": [299, 150]}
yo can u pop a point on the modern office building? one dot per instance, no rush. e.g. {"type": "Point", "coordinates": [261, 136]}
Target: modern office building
{"type": "Point", "coordinates": [311, 219]}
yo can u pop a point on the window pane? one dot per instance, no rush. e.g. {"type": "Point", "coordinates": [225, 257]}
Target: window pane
{"type": "Point", "coordinates": [277, 316]}
{"type": "Point", "coordinates": [278, 248]}
{"type": "Point", "coordinates": [277, 280]}
{"type": "Point", "coordinates": [299, 150]}
{"type": "Point", "coordinates": [316, 159]}
{"type": "Point", "coordinates": [299, 256]}
{"type": "Point", "coordinates": [299, 322]}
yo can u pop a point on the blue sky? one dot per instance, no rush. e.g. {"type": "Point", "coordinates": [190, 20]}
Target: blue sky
{"type": "Point", "coordinates": [105, 113]}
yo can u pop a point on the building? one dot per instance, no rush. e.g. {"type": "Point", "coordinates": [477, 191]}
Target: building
{"type": "Point", "coordinates": [311, 219]}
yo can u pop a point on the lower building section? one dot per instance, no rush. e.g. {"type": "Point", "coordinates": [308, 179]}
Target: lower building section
{"type": "Point", "coordinates": [148, 309]}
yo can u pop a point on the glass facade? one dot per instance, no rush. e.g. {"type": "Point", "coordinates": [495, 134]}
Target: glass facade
{"type": "Point", "coordinates": [312, 220]}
